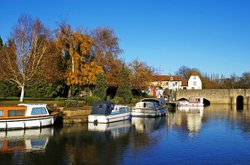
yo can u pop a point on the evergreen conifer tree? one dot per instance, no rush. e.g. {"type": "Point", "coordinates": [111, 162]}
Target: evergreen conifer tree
{"type": "Point", "coordinates": [124, 86]}
{"type": "Point", "coordinates": [1, 42]}
{"type": "Point", "coordinates": [101, 87]}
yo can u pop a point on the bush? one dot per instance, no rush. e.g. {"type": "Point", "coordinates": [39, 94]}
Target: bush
{"type": "Point", "coordinates": [118, 100]}
{"type": "Point", "coordinates": [91, 100]}
{"type": "Point", "coordinates": [73, 103]}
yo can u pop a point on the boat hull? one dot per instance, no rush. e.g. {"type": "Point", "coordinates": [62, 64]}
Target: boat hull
{"type": "Point", "coordinates": [29, 122]}
{"type": "Point", "coordinates": [97, 118]}
{"type": "Point", "coordinates": [148, 113]}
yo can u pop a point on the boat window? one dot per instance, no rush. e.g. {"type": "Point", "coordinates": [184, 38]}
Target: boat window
{"type": "Point", "coordinates": [16, 112]}
{"type": "Point", "coordinates": [38, 111]}
{"type": "Point", "coordinates": [1, 113]}
{"type": "Point", "coordinates": [150, 105]}
{"type": "Point", "coordinates": [38, 142]}
{"type": "Point", "coordinates": [122, 109]}
{"type": "Point", "coordinates": [12, 144]}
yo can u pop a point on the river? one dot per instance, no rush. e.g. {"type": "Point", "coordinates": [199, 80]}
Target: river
{"type": "Point", "coordinates": [217, 135]}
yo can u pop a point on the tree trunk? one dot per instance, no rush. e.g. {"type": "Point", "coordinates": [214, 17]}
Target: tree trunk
{"type": "Point", "coordinates": [22, 93]}
{"type": "Point", "coordinates": [69, 93]}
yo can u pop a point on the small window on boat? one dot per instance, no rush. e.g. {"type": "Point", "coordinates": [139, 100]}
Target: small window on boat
{"type": "Point", "coordinates": [38, 142]}
{"type": "Point", "coordinates": [122, 110]}
{"type": "Point", "coordinates": [12, 144]}
{"type": "Point", "coordinates": [38, 111]}
{"type": "Point", "coordinates": [1, 113]}
{"type": "Point", "coordinates": [16, 112]}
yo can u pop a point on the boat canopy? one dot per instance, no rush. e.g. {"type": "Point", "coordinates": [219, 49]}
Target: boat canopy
{"type": "Point", "coordinates": [160, 101]}
{"type": "Point", "coordinates": [103, 108]}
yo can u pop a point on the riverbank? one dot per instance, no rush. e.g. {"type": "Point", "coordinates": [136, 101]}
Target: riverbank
{"type": "Point", "coordinates": [71, 115]}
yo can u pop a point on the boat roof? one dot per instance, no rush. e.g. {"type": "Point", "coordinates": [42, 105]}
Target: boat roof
{"type": "Point", "coordinates": [159, 100]}
{"type": "Point", "coordinates": [103, 107]}
{"type": "Point", "coordinates": [118, 106]}
{"type": "Point", "coordinates": [32, 105]}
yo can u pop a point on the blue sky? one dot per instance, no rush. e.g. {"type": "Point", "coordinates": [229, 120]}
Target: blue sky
{"type": "Point", "coordinates": [210, 35]}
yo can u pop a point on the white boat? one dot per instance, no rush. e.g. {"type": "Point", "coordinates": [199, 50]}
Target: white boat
{"type": "Point", "coordinates": [25, 116]}
{"type": "Point", "coordinates": [192, 102]}
{"type": "Point", "coordinates": [150, 107]}
{"type": "Point", "coordinates": [108, 112]}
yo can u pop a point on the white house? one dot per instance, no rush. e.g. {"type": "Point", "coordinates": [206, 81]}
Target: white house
{"type": "Point", "coordinates": [169, 82]}
{"type": "Point", "coordinates": [194, 82]}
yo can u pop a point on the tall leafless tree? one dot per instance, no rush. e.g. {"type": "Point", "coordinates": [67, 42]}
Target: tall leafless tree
{"type": "Point", "coordinates": [22, 59]}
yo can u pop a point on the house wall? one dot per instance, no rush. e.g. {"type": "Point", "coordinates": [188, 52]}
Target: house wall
{"type": "Point", "coordinates": [194, 82]}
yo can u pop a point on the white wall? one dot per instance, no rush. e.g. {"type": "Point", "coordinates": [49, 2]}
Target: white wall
{"type": "Point", "coordinates": [194, 82]}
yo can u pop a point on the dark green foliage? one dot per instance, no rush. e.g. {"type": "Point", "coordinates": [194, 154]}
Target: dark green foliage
{"type": "Point", "coordinates": [91, 100]}
{"type": "Point", "coordinates": [73, 103]}
{"type": "Point", "coordinates": [101, 87]}
{"type": "Point", "coordinates": [8, 89]}
{"type": "Point", "coordinates": [44, 89]}
{"type": "Point", "coordinates": [124, 87]}
{"type": "Point", "coordinates": [1, 42]}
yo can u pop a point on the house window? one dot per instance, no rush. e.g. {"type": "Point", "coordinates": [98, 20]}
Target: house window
{"type": "Point", "coordinates": [1, 113]}
{"type": "Point", "coordinates": [16, 113]}
{"type": "Point", "coordinates": [38, 111]}
{"type": "Point", "coordinates": [194, 83]}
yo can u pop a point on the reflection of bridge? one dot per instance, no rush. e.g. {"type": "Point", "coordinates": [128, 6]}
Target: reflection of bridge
{"type": "Point", "coordinates": [227, 96]}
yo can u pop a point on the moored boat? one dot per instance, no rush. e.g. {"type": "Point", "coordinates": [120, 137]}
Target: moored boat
{"type": "Point", "coordinates": [150, 107]}
{"type": "Point", "coordinates": [25, 116]}
{"type": "Point", "coordinates": [107, 112]}
{"type": "Point", "coordinates": [192, 102]}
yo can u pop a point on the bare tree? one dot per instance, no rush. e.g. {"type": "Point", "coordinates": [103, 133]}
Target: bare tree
{"type": "Point", "coordinates": [22, 59]}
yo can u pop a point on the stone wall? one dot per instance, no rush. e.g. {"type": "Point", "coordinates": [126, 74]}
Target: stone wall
{"type": "Point", "coordinates": [224, 96]}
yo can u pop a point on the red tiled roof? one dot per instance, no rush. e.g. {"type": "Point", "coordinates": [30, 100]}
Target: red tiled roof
{"type": "Point", "coordinates": [184, 82]}
{"type": "Point", "coordinates": [167, 78]}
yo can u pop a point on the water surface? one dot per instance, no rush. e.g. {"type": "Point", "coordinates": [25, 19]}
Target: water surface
{"type": "Point", "coordinates": [217, 135]}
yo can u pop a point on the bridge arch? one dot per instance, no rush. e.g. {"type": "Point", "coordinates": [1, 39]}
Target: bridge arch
{"type": "Point", "coordinates": [206, 102]}
{"type": "Point", "coordinates": [239, 102]}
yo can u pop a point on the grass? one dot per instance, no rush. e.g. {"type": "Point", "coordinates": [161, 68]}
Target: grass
{"type": "Point", "coordinates": [49, 101]}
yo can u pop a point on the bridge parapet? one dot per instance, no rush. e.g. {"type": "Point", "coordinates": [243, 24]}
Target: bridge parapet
{"type": "Point", "coordinates": [221, 96]}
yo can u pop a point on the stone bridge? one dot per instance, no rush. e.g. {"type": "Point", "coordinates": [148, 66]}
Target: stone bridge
{"type": "Point", "coordinates": [225, 96]}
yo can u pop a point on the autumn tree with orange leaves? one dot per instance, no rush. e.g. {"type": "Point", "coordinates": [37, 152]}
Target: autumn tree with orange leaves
{"type": "Point", "coordinates": [81, 70]}
{"type": "Point", "coordinates": [140, 75]}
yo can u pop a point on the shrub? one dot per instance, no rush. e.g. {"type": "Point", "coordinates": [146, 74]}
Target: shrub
{"type": "Point", "coordinates": [118, 100]}
{"type": "Point", "coordinates": [91, 100]}
{"type": "Point", "coordinates": [73, 103]}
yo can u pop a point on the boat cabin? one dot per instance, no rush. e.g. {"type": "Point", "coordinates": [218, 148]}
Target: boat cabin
{"type": "Point", "coordinates": [118, 109]}
{"type": "Point", "coordinates": [23, 110]}
{"type": "Point", "coordinates": [102, 108]}
{"type": "Point", "coordinates": [151, 103]}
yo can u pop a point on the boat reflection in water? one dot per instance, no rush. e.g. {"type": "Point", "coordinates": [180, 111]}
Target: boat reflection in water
{"type": "Point", "coordinates": [116, 129]}
{"type": "Point", "coordinates": [25, 140]}
{"type": "Point", "coordinates": [190, 118]}
{"type": "Point", "coordinates": [191, 109]}
{"type": "Point", "coordinates": [142, 124]}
